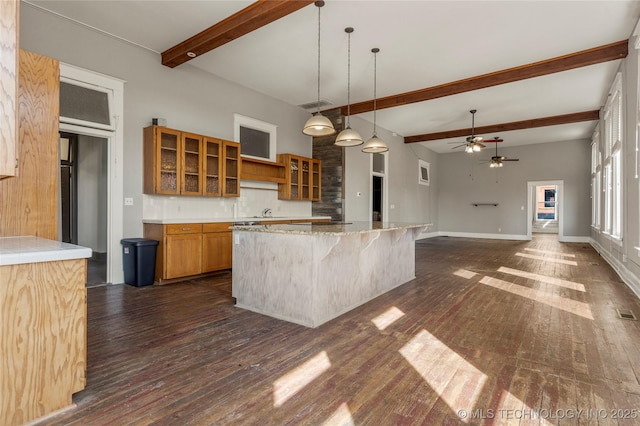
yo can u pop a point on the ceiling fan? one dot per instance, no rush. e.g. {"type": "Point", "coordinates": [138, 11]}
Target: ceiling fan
{"type": "Point", "coordinates": [497, 160]}
{"type": "Point", "coordinates": [473, 143]}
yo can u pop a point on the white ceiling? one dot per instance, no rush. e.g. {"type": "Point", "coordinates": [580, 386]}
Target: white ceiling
{"type": "Point", "coordinates": [422, 43]}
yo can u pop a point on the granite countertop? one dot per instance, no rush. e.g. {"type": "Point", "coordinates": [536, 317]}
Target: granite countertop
{"type": "Point", "coordinates": [332, 228]}
{"type": "Point", "coordinates": [231, 219]}
{"type": "Point", "coordinates": [29, 249]}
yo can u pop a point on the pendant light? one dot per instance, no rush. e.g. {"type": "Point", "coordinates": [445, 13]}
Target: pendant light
{"type": "Point", "coordinates": [318, 125]}
{"type": "Point", "coordinates": [349, 137]}
{"type": "Point", "coordinates": [375, 144]}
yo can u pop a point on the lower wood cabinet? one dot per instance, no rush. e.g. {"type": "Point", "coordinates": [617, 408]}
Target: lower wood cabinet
{"type": "Point", "coordinates": [216, 245]}
{"type": "Point", "coordinates": [190, 249]}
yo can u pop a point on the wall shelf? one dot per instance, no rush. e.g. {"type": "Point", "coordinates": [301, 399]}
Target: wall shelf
{"type": "Point", "coordinates": [484, 204]}
{"type": "Point", "coordinates": [266, 171]}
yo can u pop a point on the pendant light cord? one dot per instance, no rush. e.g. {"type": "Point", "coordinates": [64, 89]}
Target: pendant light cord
{"type": "Point", "coordinates": [349, 79]}
{"type": "Point", "coordinates": [318, 104]}
{"type": "Point", "coordinates": [375, 84]}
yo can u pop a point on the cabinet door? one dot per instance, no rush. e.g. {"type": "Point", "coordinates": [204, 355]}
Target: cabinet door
{"type": "Point", "coordinates": [305, 181]}
{"type": "Point", "coordinates": [294, 170]}
{"type": "Point", "coordinates": [231, 163]}
{"type": "Point", "coordinates": [217, 251]}
{"type": "Point", "coordinates": [9, 83]}
{"type": "Point", "coordinates": [212, 167]}
{"type": "Point", "coordinates": [183, 255]}
{"type": "Point", "coordinates": [191, 164]}
{"type": "Point", "coordinates": [316, 179]}
{"type": "Point", "coordinates": [168, 167]}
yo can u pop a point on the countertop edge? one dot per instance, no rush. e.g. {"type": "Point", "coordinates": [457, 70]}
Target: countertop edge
{"type": "Point", "coordinates": [230, 219]}
{"type": "Point", "coordinates": [28, 249]}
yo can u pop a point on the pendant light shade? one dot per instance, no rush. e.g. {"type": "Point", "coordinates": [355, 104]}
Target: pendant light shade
{"type": "Point", "coordinates": [375, 144]}
{"type": "Point", "coordinates": [318, 125]}
{"type": "Point", "coordinates": [349, 137]}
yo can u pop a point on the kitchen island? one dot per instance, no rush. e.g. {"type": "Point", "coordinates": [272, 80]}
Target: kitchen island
{"type": "Point", "coordinates": [311, 273]}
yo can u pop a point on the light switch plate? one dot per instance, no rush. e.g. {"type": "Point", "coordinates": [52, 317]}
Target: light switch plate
{"type": "Point", "coordinates": [128, 201]}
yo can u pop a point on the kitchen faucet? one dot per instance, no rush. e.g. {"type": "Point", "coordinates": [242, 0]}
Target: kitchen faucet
{"type": "Point", "coordinates": [266, 212]}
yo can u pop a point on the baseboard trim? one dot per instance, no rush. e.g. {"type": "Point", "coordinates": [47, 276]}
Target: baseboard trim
{"type": "Point", "coordinates": [566, 239]}
{"type": "Point", "coordinates": [629, 278]}
{"type": "Point", "coordinates": [483, 236]}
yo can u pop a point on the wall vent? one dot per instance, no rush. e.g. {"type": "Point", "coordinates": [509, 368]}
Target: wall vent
{"type": "Point", "coordinates": [316, 104]}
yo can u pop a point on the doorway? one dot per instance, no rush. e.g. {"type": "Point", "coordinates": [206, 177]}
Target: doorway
{"type": "Point", "coordinates": [545, 213]}
{"type": "Point", "coordinates": [83, 198]}
{"type": "Point", "coordinates": [376, 214]}
{"type": "Point", "coordinates": [378, 188]}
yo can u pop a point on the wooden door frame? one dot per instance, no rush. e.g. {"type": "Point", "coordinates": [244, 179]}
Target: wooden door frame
{"type": "Point", "coordinates": [531, 196]}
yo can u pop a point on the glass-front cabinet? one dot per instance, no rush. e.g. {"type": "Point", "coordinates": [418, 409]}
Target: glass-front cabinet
{"type": "Point", "coordinates": [191, 164]}
{"type": "Point", "coordinates": [231, 158]}
{"type": "Point", "coordinates": [181, 163]}
{"type": "Point", "coordinates": [302, 178]}
{"type": "Point", "coordinates": [212, 167]}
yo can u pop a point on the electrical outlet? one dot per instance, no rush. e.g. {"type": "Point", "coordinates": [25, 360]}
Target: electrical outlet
{"type": "Point", "coordinates": [237, 239]}
{"type": "Point", "coordinates": [128, 201]}
{"type": "Point", "coordinates": [392, 206]}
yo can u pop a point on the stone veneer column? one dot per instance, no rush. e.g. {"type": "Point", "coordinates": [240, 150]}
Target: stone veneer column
{"type": "Point", "coordinates": [332, 156]}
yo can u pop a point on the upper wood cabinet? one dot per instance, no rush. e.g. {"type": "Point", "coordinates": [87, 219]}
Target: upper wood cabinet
{"type": "Point", "coordinates": [303, 178]}
{"type": "Point", "coordinates": [9, 87]}
{"type": "Point", "coordinates": [232, 165]}
{"type": "Point", "coordinates": [182, 163]}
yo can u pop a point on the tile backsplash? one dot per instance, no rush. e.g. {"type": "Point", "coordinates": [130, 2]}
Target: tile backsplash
{"type": "Point", "coordinates": [254, 197]}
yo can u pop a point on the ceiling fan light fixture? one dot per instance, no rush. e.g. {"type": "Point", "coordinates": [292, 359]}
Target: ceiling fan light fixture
{"type": "Point", "coordinates": [318, 125]}
{"type": "Point", "coordinates": [476, 147]}
{"type": "Point", "coordinates": [375, 144]}
{"type": "Point", "coordinates": [349, 137]}
{"type": "Point", "coordinates": [468, 149]}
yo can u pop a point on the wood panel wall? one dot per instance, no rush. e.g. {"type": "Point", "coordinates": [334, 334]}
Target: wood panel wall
{"type": "Point", "coordinates": [43, 329]}
{"type": "Point", "coordinates": [29, 201]}
{"type": "Point", "coordinates": [332, 156]}
{"type": "Point", "coordinates": [9, 22]}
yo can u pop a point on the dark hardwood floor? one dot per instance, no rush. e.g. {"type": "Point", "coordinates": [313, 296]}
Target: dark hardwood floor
{"type": "Point", "coordinates": [490, 332]}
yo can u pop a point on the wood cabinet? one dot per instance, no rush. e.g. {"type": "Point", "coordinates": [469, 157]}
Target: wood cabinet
{"type": "Point", "coordinates": [182, 163]}
{"type": "Point", "coordinates": [29, 201]}
{"type": "Point", "coordinates": [43, 338]}
{"type": "Point", "coordinates": [216, 246]}
{"type": "Point", "coordinates": [190, 249]}
{"type": "Point", "coordinates": [231, 169]}
{"type": "Point", "coordinates": [9, 20]}
{"type": "Point", "coordinates": [303, 177]}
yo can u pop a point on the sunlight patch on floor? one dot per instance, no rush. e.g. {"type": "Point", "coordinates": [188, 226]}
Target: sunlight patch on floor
{"type": "Point", "coordinates": [557, 253]}
{"type": "Point", "coordinates": [292, 382]}
{"type": "Point", "coordinates": [544, 278]}
{"type": "Point", "coordinates": [465, 274]}
{"type": "Point", "coordinates": [548, 259]}
{"type": "Point", "coordinates": [513, 410]}
{"type": "Point", "coordinates": [448, 374]}
{"type": "Point", "coordinates": [387, 318]}
{"type": "Point", "coordinates": [578, 308]}
{"type": "Point", "coordinates": [342, 417]}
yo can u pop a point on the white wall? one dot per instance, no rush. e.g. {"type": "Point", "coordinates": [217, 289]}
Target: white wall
{"type": "Point", "coordinates": [463, 180]}
{"type": "Point", "coordinates": [413, 202]}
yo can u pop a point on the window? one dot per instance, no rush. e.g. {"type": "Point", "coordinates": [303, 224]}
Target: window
{"type": "Point", "coordinates": [257, 138]}
{"type": "Point", "coordinates": [423, 173]}
{"type": "Point", "coordinates": [612, 183]}
{"type": "Point", "coordinates": [596, 168]}
{"type": "Point", "coordinates": [84, 104]}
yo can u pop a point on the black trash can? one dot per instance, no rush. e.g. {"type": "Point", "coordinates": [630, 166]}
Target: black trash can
{"type": "Point", "coordinates": [139, 260]}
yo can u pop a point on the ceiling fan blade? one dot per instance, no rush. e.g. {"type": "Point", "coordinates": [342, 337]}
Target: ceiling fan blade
{"type": "Point", "coordinates": [458, 146]}
{"type": "Point", "coordinates": [481, 145]}
{"type": "Point", "coordinates": [510, 159]}
{"type": "Point", "coordinates": [476, 139]}
{"type": "Point", "coordinates": [494, 140]}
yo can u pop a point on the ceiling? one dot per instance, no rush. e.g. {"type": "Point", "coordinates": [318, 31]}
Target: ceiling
{"type": "Point", "coordinates": [422, 44]}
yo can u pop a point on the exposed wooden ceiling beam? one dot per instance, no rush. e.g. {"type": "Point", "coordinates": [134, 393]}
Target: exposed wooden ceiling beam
{"type": "Point", "coordinates": [252, 17]}
{"type": "Point", "coordinates": [505, 127]}
{"type": "Point", "coordinates": [596, 55]}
